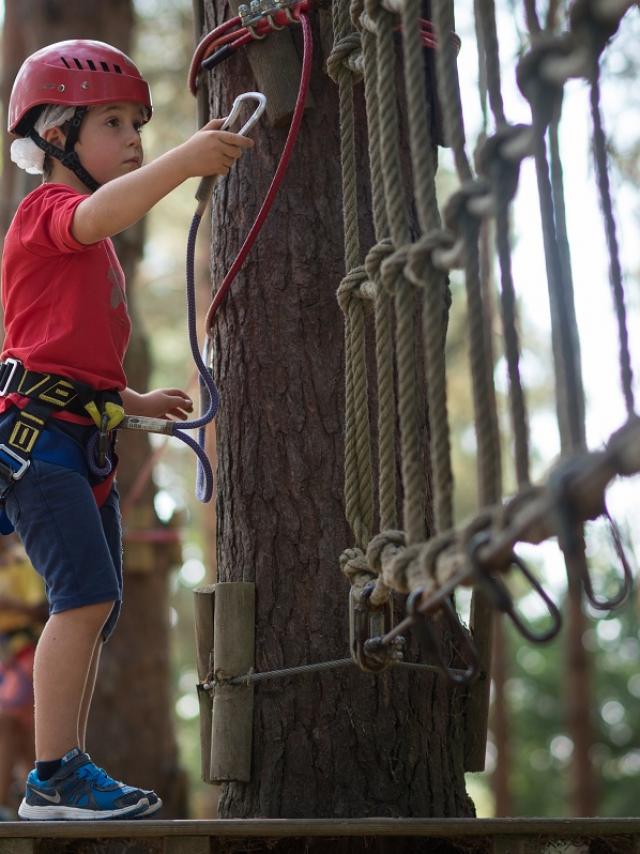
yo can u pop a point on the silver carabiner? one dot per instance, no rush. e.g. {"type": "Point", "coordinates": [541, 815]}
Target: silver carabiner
{"type": "Point", "coordinates": [235, 111]}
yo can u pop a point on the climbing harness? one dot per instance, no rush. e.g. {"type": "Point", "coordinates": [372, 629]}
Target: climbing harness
{"type": "Point", "coordinates": [33, 433]}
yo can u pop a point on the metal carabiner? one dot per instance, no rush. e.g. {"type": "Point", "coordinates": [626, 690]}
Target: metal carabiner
{"type": "Point", "coordinates": [502, 599]}
{"type": "Point", "coordinates": [366, 626]}
{"type": "Point", "coordinates": [570, 533]}
{"type": "Point", "coordinates": [429, 643]}
{"type": "Point", "coordinates": [236, 107]}
{"type": "Point", "coordinates": [626, 583]}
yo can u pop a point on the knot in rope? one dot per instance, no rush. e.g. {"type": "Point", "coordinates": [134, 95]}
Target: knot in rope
{"type": "Point", "coordinates": [470, 202]}
{"type": "Point", "coordinates": [353, 564]}
{"type": "Point", "coordinates": [392, 269]}
{"type": "Point", "coordinates": [356, 8]}
{"type": "Point", "coordinates": [376, 548]}
{"type": "Point", "coordinates": [593, 23]}
{"type": "Point", "coordinates": [375, 256]}
{"type": "Point", "coordinates": [434, 249]}
{"type": "Point", "coordinates": [346, 56]}
{"type": "Point", "coordinates": [356, 285]}
{"type": "Point", "coordinates": [499, 157]}
{"type": "Point", "coordinates": [542, 72]}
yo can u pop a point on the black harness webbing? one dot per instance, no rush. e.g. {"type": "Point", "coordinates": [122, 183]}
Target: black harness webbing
{"type": "Point", "coordinates": [47, 394]}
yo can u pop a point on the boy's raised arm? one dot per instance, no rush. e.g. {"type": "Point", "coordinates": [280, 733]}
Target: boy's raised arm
{"type": "Point", "coordinates": [124, 200]}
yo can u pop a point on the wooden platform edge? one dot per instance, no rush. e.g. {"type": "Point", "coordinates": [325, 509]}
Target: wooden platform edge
{"type": "Point", "coordinates": [300, 828]}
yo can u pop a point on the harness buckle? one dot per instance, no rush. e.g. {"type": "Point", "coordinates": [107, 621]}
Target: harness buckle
{"type": "Point", "coordinates": [103, 440]}
{"type": "Point", "coordinates": [14, 365]}
{"type": "Point", "coordinates": [16, 474]}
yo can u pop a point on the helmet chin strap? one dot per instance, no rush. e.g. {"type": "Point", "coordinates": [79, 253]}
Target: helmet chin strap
{"type": "Point", "coordinates": [68, 156]}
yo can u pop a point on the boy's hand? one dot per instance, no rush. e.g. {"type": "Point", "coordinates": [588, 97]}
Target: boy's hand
{"type": "Point", "coordinates": [211, 151]}
{"type": "Point", "coordinates": [171, 403]}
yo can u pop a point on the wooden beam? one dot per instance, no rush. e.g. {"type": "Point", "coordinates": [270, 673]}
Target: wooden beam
{"type": "Point", "coordinates": [187, 845]}
{"type": "Point", "coordinates": [276, 67]}
{"type": "Point", "coordinates": [204, 598]}
{"type": "Point", "coordinates": [233, 655]}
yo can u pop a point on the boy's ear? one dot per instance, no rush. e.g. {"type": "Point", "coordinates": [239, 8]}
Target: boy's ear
{"type": "Point", "coordinates": [55, 136]}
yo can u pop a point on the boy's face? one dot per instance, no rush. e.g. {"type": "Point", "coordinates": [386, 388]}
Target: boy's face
{"type": "Point", "coordinates": [109, 144]}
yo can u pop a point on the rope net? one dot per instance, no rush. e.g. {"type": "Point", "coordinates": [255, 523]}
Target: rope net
{"type": "Point", "coordinates": [402, 280]}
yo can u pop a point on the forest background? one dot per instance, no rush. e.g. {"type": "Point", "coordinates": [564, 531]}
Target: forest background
{"type": "Point", "coordinates": [532, 750]}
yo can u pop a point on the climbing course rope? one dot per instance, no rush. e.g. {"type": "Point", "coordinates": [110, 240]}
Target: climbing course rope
{"type": "Point", "coordinates": [408, 266]}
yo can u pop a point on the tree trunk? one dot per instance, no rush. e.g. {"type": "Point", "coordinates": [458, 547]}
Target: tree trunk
{"type": "Point", "coordinates": [342, 743]}
{"type": "Point", "coordinates": [583, 786]}
{"type": "Point", "coordinates": [131, 725]}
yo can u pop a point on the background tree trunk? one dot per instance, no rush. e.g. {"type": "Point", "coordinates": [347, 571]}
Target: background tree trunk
{"type": "Point", "coordinates": [342, 743]}
{"type": "Point", "coordinates": [131, 728]}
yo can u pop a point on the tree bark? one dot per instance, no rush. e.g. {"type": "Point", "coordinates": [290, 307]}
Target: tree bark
{"type": "Point", "coordinates": [583, 785]}
{"type": "Point", "coordinates": [131, 728]}
{"type": "Point", "coordinates": [343, 743]}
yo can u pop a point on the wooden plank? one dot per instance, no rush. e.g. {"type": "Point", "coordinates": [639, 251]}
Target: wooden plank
{"type": "Point", "coordinates": [509, 845]}
{"type": "Point", "coordinates": [17, 846]}
{"type": "Point", "coordinates": [280, 828]}
{"type": "Point", "coordinates": [204, 598]}
{"type": "Point", "coordinates": [277, 68]}
{"type": "Point", "coordinates": [233, 655]}
{"type": "Point", "coordinates": [187, 845]}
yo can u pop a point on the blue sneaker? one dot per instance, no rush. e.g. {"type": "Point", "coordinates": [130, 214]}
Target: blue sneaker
{"type": "Point", "coordinates": [79, 790]}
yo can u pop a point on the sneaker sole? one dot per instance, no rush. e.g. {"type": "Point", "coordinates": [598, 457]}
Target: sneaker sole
{"type": "Point", "coordinates": [29, 812]}
{"type": "Point", "coordinates": [149, 810]}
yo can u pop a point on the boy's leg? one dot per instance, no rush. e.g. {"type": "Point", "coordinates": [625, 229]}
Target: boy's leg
{"type": "Point", "coordinates": [62, 664]}
{"type": "Point", "coordinates": [87, 696]}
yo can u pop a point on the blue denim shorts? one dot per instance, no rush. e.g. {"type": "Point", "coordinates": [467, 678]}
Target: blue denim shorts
{"type": "Point", "coordinates": [74, 545]}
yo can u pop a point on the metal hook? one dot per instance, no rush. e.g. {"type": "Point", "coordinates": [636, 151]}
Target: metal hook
{"type": "Point", "coordinates": [366, 625]}
{"type": "Point", "coordinates": [502, 599]}
{"type": "Point", "coordinates": [571, 541]}
{"type": "Point", "coordinates": [429, 643]}
{"type": "Point", "coordinates": [626, 582]}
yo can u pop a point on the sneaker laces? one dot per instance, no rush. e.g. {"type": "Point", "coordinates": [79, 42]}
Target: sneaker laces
{"type": "Point", "coordinates": [97, 775]}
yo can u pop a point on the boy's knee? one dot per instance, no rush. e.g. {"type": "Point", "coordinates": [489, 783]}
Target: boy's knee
{"type": "Point", "coordinates": [92, 617]}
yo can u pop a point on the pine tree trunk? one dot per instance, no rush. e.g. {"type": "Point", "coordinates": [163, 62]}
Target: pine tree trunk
{"type": "Point", "coordinates": [131, 728]}
{"type": "Point", "coordinates": [342, 743]}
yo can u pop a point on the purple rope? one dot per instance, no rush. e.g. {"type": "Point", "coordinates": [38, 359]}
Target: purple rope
{"type": "Point", "coordinates": [208, 391]}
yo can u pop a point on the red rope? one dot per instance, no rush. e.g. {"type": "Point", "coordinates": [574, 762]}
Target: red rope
{"type": "Point", "coordinates": [280, 171]}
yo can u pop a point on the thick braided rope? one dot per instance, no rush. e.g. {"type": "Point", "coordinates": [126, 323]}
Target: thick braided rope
{"type": "Point", "coordinates": [448, 87]}
{"type": "Point", "coordinates": [569, 390]}
{"type": "Point", "coordinates": [358, 488]}
{"type": "Point", "coordinates": [387, 493]}
{"type": "Point", "coordinates": [434, 312]}
{"type": "Point", "coordinates": [501, 189]}
{"type": "Point", "coordinates": [484, 404]}
{"type": "Point", "coordinates": [485, 414]}
{"type": "Point", "coordinates": [434, 323]}
{"type": "Point", "coordinates": [517, 403]}
{"type": "Point", "coordinates": [413, 481]}
{"type": "Point", "coordinates": [487, 26]}
{"type": "Point", "coordinates": [420, 137]}
{"type": "Point", "coordinates": [387, 487]}
{"type": "Point", "coordinates": [615, 271]}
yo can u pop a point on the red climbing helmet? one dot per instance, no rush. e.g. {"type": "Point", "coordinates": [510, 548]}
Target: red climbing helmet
{"type": "Point", "coordinates": [77, 72]}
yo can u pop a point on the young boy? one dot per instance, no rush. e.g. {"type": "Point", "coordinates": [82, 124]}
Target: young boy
{"type": "Point", "coordinates": [78, 107]}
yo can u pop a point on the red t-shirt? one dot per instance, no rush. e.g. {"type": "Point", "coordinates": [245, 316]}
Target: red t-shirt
{"type": "Point", "coordinates": [65, 309]}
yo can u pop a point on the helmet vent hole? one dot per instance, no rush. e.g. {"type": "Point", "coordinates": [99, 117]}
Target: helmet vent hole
{"type": "Point", "coordinates": [77, 62]}
{"type": "Point", "coordinates": [91, 64]}
{"type": "Point", "coordinates": [105, 66]}
{"type": "Point", "coordinates": [64, 61]}
{"type": "Point", "coordinates": [117, 69]}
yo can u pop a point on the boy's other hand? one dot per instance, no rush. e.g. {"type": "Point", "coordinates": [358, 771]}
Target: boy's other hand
{"type": "Point", "coordinates": [171, 403]}
{"type": "Point", "coordinates": [211, 151]}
